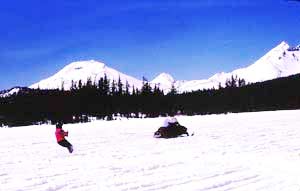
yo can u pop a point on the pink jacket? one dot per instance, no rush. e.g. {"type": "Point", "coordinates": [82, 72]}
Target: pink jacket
{"type": "Point", "coordinates": [60, 134]}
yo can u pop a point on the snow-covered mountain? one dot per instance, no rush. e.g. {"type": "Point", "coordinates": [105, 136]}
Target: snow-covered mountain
{"type": "Point", "coordinates": [84, 70]}
{"type": "Point", "coordinates": [12, 91]}
{"type": "Point", "coordinates": [164, 81]}
{"type": "Point", "coordinates": [281, 61]}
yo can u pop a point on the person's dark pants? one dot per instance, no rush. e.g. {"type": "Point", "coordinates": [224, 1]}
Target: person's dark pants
{"type": "Point", "coordinates": [66, 143]}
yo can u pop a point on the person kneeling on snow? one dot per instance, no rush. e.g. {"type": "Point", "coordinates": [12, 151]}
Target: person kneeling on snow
{"type": "Point", "coordinates": [60, 137]}
{"type": "Point", "coordinates": [170, 122]}
{"type": "Point", "coordinates": [172, 128]}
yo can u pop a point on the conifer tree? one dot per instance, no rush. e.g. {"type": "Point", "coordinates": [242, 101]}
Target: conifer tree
{"type": "Point", "coordinates": [127, 88]}
{"type": "Point", "coordinates": [173, 90]}
{"type": "Point", "coordinates": [79, 84]}
{"type": "Point", "coordinates": [232, 82]}
{"type": "Point", "coordinates": [73, 85]}
{"type": "Point", "coordinates": [113, 88]}
{"type": "Point", "coordinates": [101, 86]}
{"type": "Point", "coordinates": [89, 83]}
{"type": "Point", "coordinates": [241, 82]}
{"type": "Point", "coordinates": [146, 89]}
{"type": "Point", "coordinates": [62, 85]}
{"type": "Point", "coordinates": [120, 87]}
{"type": "Point", "coordinates": [134, 92]}
{"type": "Point", "coordinates": [106, 90]}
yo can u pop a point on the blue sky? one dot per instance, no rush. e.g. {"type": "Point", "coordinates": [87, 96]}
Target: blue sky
{"type": "Point", "coordinates": [189, 39]}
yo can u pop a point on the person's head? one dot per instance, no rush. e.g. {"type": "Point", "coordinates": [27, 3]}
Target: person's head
{"type": "Point", "coordinates": [171, 114]}
{"type": "Point", "coordinates": [59, 125]}
{"type": "Point", "coordinates": [178, 112]}
{"type": "Point", "coordinates": [175, 113]}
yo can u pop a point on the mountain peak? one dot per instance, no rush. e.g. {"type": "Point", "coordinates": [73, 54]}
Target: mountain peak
{"type": "Point", "coordinates": [164, 81]}
{"type": "Point", "coordinates": [274, 53]}
{"type": "Point", "coordinates": [283, 45]}
{"type": "Point", "coordinates": [82, 71]}
{"type": "Point", "coordinates": [163, 77]}
{"type": "Point", "coordinates": [84, 66]}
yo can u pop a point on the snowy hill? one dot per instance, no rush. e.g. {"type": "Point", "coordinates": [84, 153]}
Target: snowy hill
{"type": "Point", "coordinates": [278, 62]}
{"type": "Point", "coordinates": [281, 61]}
{"type": "Point", "coordinates": [236, 152]}
{"type": "Point", "coordinates": [163, 81]}
{"type": "Point", "coordinates": [12, 91]}
{"type": "Point", "coordinates": [83, 70]}
{"type": "Point", "coordinates": [6, 93]}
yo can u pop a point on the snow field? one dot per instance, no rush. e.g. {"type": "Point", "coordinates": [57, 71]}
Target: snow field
{"type": "Point", "coordinates": [239, 152]}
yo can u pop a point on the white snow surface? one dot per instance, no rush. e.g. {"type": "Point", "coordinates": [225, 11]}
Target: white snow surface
{"type": "Point", "coordinates": [278, 62]}
{"type": "Point", "coordinates": [237, 152]}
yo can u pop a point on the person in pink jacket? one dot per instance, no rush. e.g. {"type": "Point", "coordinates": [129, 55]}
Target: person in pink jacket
{"type": "Point", "coordinates": [60, 137]}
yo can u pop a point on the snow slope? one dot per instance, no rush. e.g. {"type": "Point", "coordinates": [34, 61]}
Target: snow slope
{"type": "Point", "coordinates": [164, 81]}
{"type": "Point", "coordinates": [278, 62]}
{"type": "Point", "coordinates": [236, 152]}
{"type": "Point", "coordinates": [83, 70]}
{"type": "Point", "coordinates": [10, 92]}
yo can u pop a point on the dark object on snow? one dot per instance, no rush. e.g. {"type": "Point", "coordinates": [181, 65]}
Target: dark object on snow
{"type": "Point", "coordinates": [59, 125]}
{"type": "Point", "coordinates": [173, 130]}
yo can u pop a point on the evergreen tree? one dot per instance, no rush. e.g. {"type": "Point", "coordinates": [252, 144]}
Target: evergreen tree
{"type": "Point", "coordinates": [146, 89]}
{"type": "Point", "coordinates": [62, 85]}
{"type": "Point", "coordinates": [73, 85]}
{"type": "Point", "coordinates": [133, 91]}
{"type": "Point", "coordinates": [220, 86]}
{"type": "Point", "coordinates": [241, 82]}
{"type": "Point", "coordinates": [101, 86]}
{"type": "Point", "coordinates": [89, 83]}
{"type": "Point", "coordinates": [113, 88]}
{"type": "Point", "coordinates": [120, 87]}
{"type": "Point", "coordinates": [127, 88]}
{"type": "Point", "coordinates": [106, 90]}
{"type": "Point", "coordinates": [235, 82]}
{"type": "Point", "coordinates": [173, 90]}
{"type": "Point", "coordinates": [232, 82]}
{"type": "Point", "coordinates": [79, 84]}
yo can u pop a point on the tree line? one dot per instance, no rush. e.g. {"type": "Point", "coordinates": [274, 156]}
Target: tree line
{"type": "Point", "coordinates": [105, 99]}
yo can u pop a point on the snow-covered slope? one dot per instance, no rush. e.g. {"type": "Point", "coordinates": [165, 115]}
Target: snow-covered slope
{"type": "Point", "coordinates": [278, 62]}
{"type": "Point", "coordinates": [83, 70]}
{"type": "Point", "coordinates": [281, 61]}
{"type": "Point", "coordinates": [164, 81]}
{"type": "Point", "coordinates": [234, 152]}
{"type": "Point", "coordinates": [12, 91]}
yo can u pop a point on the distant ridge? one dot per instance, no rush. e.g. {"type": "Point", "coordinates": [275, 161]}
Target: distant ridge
{"type": "Point", "coordinates": [280, 61]}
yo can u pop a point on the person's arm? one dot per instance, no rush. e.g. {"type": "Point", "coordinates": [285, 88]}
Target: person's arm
{"type": "Point", "coordinates": [65, 133]}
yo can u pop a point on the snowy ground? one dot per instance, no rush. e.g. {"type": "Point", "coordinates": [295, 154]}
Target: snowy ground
{"type": "Point", "coordinates": [245, 152]}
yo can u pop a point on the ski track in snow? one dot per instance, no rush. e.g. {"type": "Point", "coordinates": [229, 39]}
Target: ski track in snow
{"type": "Point", "coordinates": [233, 152]}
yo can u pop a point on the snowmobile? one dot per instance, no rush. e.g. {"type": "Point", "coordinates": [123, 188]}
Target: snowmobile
{"type": "Point", "coordinates": [173, 130]}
